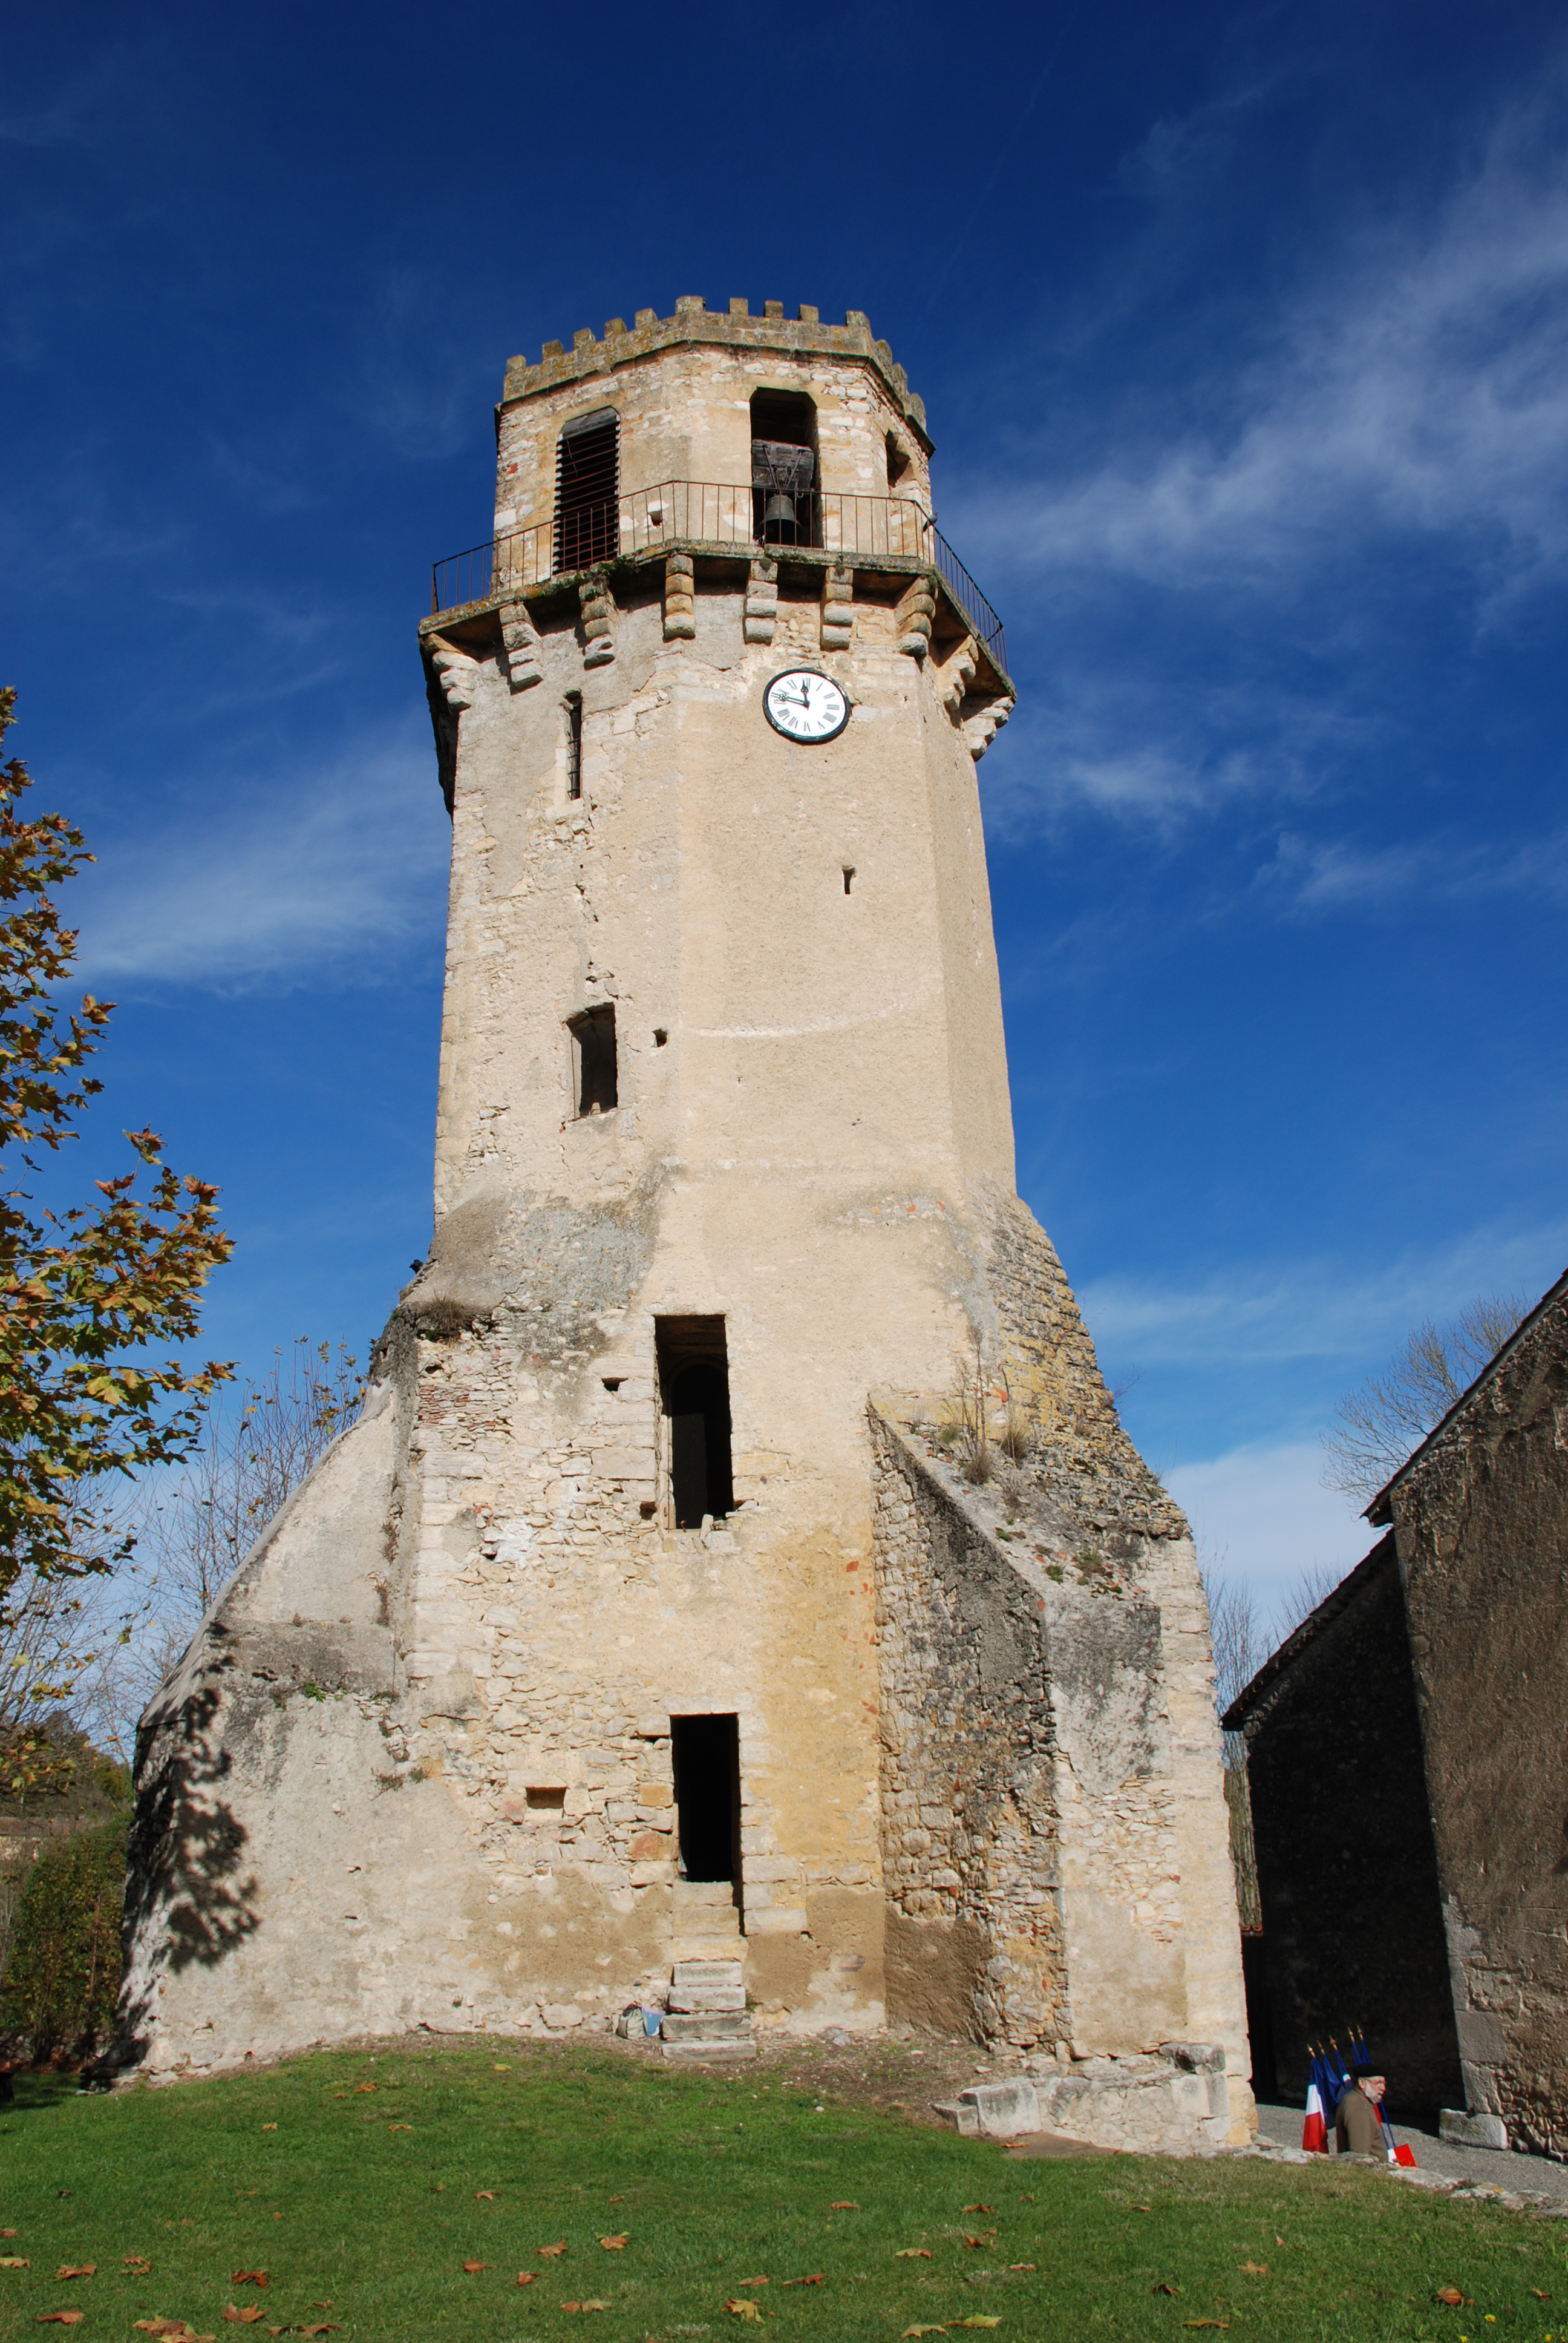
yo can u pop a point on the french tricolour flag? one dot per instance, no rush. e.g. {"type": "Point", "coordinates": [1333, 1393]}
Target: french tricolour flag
{"type": "Point", "coordinates": [1315, 2130]}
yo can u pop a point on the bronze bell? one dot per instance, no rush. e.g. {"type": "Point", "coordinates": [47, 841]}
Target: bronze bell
{"type": "Point", "coordinates": [778, 512]}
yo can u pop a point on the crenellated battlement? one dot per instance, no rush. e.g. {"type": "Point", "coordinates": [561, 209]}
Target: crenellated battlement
{"type": "Point", "coordinates": [735, 328]}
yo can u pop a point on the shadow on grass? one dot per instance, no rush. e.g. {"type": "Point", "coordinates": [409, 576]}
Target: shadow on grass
{"type": "Point", "coordinates": [34, 2094]}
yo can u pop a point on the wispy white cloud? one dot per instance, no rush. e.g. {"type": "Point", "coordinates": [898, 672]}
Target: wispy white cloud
{"type": "Point", "coordinates": [1417, 385]}
{"type": "Point", "coordinates": [1263, 1516]}
{"type": "Point", "coordinates": [1157, 751]}
{"type": "Point", "coordinates": [276, 878]}
{"type": "Point", "coordinates": [1326, 873]}
{"type": "Point", "coordinates": [1320, 1308]}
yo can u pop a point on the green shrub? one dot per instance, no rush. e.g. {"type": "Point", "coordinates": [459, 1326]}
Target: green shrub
{"type": "Point", "coordinates": [63, 1977]}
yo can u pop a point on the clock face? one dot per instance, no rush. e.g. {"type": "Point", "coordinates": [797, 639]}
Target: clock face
{"type": "Point", "coordinates": [806, 706]}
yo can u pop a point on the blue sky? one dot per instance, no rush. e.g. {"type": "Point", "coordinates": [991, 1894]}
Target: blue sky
{"type": "Point", "coordinates": [1243, 334]}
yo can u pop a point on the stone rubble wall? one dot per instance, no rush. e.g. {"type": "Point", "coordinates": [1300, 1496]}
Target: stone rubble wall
{"type": "Point", "coordinates": [1056, 1854]}
{"type": "Point", "coordinates": [1176, 2103]}
{"type": "Point", "coordinates": [969, 1862]}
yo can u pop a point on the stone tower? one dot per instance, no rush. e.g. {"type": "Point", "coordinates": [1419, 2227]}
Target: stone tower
{"type": "Point", "coordinates": [651, 1614]}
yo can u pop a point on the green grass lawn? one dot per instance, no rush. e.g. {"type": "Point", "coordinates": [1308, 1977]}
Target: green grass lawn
{"type": "Point", "coordinates": [362, 2207]}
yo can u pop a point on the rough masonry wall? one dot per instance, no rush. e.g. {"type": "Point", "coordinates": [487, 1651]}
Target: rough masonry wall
{"type": "Point", "coordinates": [1347, 1872]}
{"type": "Point", "coordinates": [970, 1860]}
{"type": "Point", "coordinates": [1055, 1851]}
{"type": "Point", "coordinates": [1481, 1519]}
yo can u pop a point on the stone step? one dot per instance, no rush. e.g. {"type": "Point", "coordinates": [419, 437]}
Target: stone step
{"type": "Point", "coordinates": [688, 1946]}
{"type": "Point", "coordinates": [711, 2053]}
{"type": "Point", "coordinates": [706, 1996]}
{"type": "Point", "coordinates": [707, 2026]}
{"type": "Point", "coordinates": [698, 1973]}
{"type": "Point", "coordinates": [685, 1893]}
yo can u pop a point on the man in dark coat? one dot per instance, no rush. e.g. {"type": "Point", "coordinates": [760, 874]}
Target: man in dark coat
{"type": "Point", "coordinates": [1357, 2130]}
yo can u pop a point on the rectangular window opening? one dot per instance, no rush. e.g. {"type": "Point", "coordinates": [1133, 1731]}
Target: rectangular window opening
{"type": "Point", "coordinates": [547, 1801]}
{"type": "Point", "coordinates": [588, 491]}
{"type": "Point", "coordinates": [849, 876]}
{"type": "Point", "coordinates": [787, 509]}
{"type": "Point", "coordinates": [593, 1059]}
{"type": "Point", "coordinates": [706, 1750]}
{"type": "Point", "coordinates": [693, 1394]}
{"type": "Point", "coordinates": [575, 745]}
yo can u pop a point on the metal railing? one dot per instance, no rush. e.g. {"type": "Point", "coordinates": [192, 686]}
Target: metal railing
{"type": "Point", "coordinates": [968, 597]}
{"type": "Point", "coordinates": [698, 514]}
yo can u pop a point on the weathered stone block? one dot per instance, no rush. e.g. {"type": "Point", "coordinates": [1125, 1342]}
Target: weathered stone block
{"type": "Point", "coordinates": [1467, 2130]}
{"type": "Point", "coordinates": [1001, 2110]}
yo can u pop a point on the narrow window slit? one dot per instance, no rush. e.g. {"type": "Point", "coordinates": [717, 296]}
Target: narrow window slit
{"type": "Point", "coordinates": [593, 1059]}
{"type": "Point", "coordinates": [573, 745]}
{"type": "Point", "coordinates": [849, 876]}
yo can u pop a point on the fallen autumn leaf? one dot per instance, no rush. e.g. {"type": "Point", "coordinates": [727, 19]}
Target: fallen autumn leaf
{"type": "Point", "coordinates": [845, 2205]}
{"type": "Point", "coordinates": [554, 2249]}
{"type": "Point", "coordinates": [743, 2309]}
{"type": "Point", "coordinates": [615, 2245]}
{"type": "Point", "coordinates": [979, 2209]}
{"type": "Point", "coordinates": [913, 2253]}
{"type": "Point", "coordinates": [13, 2261]}
{"type": "Point", "coordinates": [249, 2316]}
{"type": "Point", "coordinates": [1021, 2265]}
{"type": "Point", "coordinates": [815, 2279]}
{"type": "Point", "coordinates": [527, 2278]}
{"type": "Point", "coordinates": [1254, 2269]}
{"type": "Point", "coordinates": [248, 2278]}
{"type": "Point", "coordinates": [58, 2318]}
{"type": "Point", "coordinates": [77, 2269]}
{"type": "Point", "coordinates": [976, 2322]}
{"type": "Point", "coordinates": [1452, 2295]}
{"type": "Point", "coordinates": [476, 2266]}
{"type": "Point", "coordinates": [484, 2196]}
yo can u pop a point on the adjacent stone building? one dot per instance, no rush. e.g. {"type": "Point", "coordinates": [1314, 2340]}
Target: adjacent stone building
{"type": "Point", "coordinates": [1409, 1782]}
{"type": "Point", "coordinates": [1347, 1871]}
{"type": "Point", "coordinates": [644, 1618]}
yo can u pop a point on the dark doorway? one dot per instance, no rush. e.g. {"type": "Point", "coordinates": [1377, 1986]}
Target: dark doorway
{"type": "Point", "coordinates": [707, 1754]}
{"type": "Point", "coordinates": [588, 491]}
{"type": "Point", "coordinates": [694, 1389]}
